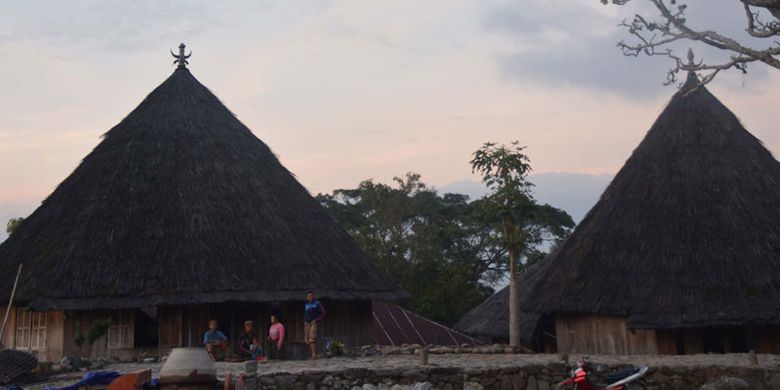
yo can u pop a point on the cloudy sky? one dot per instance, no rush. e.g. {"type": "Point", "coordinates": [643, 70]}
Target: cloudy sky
{"type": "Point", "coordinates": [344, 91]}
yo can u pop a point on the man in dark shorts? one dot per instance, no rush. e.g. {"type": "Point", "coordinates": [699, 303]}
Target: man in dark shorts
{"type": "Point", "coordinates": [313, 312]}
{"type": "Point", "coordinates": [215, 342]}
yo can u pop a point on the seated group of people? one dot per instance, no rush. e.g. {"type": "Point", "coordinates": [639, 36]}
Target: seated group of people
{"type": "Point", "coordinates": [249, 345]}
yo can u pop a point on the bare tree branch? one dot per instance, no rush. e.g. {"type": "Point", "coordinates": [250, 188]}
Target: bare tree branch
{"type": "Point", "coordinates": [652, 38]}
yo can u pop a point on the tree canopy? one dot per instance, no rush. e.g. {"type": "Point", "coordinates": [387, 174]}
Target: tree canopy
{"type": "Point", "coordinates": [443, 248]}
{"type": "Point", "coordinates": [12, 224]}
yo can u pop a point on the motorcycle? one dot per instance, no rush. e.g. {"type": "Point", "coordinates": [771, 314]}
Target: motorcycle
{"type": "Point", "coordinates": [625, 379]}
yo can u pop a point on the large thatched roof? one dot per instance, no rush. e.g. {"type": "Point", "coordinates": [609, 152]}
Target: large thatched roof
{"type": "Point", "coordinates": [181, 203]}
{"type": "Point", "coordinates": [687, 234]}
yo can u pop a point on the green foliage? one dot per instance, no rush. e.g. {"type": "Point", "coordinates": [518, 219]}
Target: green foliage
{"type": "Point", "coordinates": [99, 329]}
{"type": "Point", "coordinates": [443, 249]}
{"type": "Point", "coordinates": [522, 223]}
{"type": "Point", "coordinates": [12, 224]}
{"type": "Point", "coordinates": [504, 170]}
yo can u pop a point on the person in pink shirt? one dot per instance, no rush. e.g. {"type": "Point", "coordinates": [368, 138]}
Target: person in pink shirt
{"type": "Point", "coordinates": [276, 339]}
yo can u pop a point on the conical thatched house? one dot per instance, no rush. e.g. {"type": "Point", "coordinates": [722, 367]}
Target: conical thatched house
{"type": "Point", "coordinates": [682, 252]}
{"type": "Point", "coordinates": [680, 255]}
{"type": "Point", "coordinates": [180, 215]}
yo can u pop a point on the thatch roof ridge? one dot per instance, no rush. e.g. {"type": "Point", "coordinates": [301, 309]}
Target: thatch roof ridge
{"type": "Point", "coordinates": [180, 202]}
{"type": "Point", "coordinates": [687, 233]}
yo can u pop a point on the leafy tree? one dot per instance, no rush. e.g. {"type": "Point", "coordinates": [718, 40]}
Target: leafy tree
{"type": "Point", "coordinates": [654, 36]}
{"type": "Point", "coordinates": [12, 224]}
{"type": "Point", "coordinates": [504, 169]}
{"type": "Point", "coordinates": [443, 249]}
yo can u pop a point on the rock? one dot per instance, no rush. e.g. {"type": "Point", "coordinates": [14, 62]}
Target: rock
{"type": "Point", "coordinates": [250, 367]}
{"type": "Point", "coordinates": [327, 381]}
{"type": "Point", "coordinates": [369, 386]}
{"type": "Point", "coordinates": [531, 385]}
{"type": "Point", "coordinates": [472, 371]}
{"type": "Point", "coordinates": [413, 374]}
{"type": "Point", "coordinates": [423, 386]}
{"type": "Point", "coordinates": [472, 386]}
{"type": "Point", "coordinates": [70, 363]}
{"type": "Point", "coordinates": [727, 383]}
{"type": "Point", "coordinates": [285, 381]}
{"type": "Point", "coordinates": [774, 381]}
{"type": "Point", "coordinates": [267, 380]}
{"type": "Point", "coordinates": [543, 385]}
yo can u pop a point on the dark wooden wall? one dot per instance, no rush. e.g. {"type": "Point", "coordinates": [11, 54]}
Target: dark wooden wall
{"type": "Point", "coordinates": [611, 336]}
{"type": "Point", "coordinates": [602, 335]}
{"type": "Point", "coordinates": [351, 322]}
{"type": "Point", "coordinates": [49, 341]}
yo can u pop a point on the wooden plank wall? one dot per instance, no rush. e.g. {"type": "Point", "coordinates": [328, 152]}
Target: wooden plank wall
{"type": "Point", "coordinates": [170, 326]}
{"type": "Point", "coordinates": [350, 322]}
{"type": "Point", "coordinates": [9, 339]}
{"type": "Point", "coordinates": [602, 335]}
{"type": "Point", "coordinates": [768, 339]}
{"type": "Point", "coordinates": [53, 337]}
{"type": "Point", "coordinates": [83, 321]}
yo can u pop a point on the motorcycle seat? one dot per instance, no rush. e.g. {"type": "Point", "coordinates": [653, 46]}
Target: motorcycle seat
{"type": "Point", "coordinates": [613, 377]}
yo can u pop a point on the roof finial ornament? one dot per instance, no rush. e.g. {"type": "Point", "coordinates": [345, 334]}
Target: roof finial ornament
{"type": "Point", "coordinates": [692, 82]}
{"type": "Point", "coordinates": [691, 64]}
{"type": "Point", "coordinates": [181, 59]}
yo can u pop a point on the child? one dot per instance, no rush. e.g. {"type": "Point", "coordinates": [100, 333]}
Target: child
{"type": "Point", "coordinates": [256, 349]}
{"type": "Point", "coordinates": [276, 339]}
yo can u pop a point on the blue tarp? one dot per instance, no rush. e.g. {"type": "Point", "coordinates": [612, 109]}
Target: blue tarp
{"type": "Point", "coordinates": [91, 378]}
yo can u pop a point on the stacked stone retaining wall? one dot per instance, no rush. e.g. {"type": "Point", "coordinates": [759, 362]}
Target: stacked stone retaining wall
{"type": "Point", "coordinates": [533, 377]}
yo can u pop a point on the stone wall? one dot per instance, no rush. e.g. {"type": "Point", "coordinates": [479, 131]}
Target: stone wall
{"type": "Point", "coordinates": [528, 377]}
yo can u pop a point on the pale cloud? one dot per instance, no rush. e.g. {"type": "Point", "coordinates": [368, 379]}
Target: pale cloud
{"type": "Point", "coordinates": [562, 45]}
{"type": "Point", "coordinates": [345, 90]}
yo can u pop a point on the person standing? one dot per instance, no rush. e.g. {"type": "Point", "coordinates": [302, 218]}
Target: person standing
{"type": "Point", "coordinates": [313, 312]}
{"type": "Point", "coordinates": [275, 339]}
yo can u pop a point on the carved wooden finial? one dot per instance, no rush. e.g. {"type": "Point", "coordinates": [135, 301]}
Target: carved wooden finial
{"type": "Point", "coordinates": [691, 57]}
{"type": "Point", "coordinates": [181, 59]}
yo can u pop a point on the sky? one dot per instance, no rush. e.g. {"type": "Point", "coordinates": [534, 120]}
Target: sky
{"type": "Point", "coordinates": [344, 91]}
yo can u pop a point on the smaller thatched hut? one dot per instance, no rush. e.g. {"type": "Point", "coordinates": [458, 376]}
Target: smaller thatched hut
{"type": "Point", "coordinates": [489, 321]}
{"type": "Point", "coordinates": [681, 254]}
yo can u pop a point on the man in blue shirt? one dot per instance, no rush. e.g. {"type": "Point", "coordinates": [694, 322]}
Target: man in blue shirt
{"type": "Point", "coordinates": [313, 312]}
{"type": "Point", "coordinates": [215, 342]}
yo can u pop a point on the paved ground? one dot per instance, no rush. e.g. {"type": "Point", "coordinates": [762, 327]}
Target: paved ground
{"type": "Point", "coordinates": [446, 360]}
